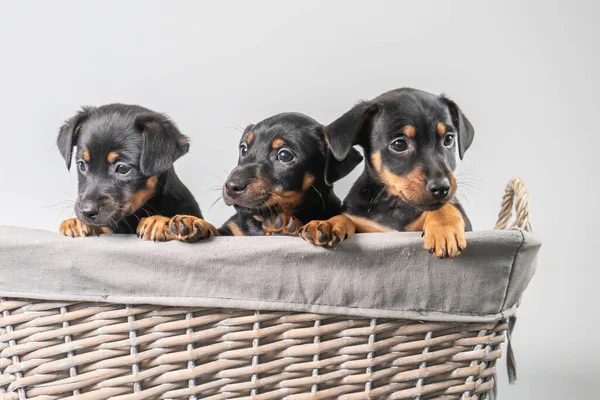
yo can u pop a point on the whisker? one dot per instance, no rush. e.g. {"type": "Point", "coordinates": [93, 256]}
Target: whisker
{"type": "Point", "coordinates": [67, 194]}
{"type": "Point", "coordinates": [376, 199]}
{"type": "Point", "coordinates": [236, 127]}
{"type": "Point", "coordinates": [280, 204]}
{"type": "Point", "coordinates": [212, 189]}
{"type": "Point", "coordinates": [220, 179]}
{"type": "Point", "coordinates": [320, 195]}
{"type": "Point", "coordinates": [215, 202]}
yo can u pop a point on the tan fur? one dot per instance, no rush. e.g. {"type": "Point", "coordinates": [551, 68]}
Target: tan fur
{"type": "Point", "coordinates": [308, 181]}
{"type": "Point", "coordinates": [141, 197]}
{"type": "Point", "coordinates": [364, 225]}
{"type": "Point", "coordinates": [277, 143]}
{"type": "Point", "coordinates": [154, 228]}
{"type": "Point", "coordinates": [235, 229]}
{"type": "Point", "coordinates": [112, 156]}
{"type": "Point", "coordinates": [412, 188]}
{"type": "Point", "coordinates": [444, 231]}
{"type": "Point", "coordinates": [409, 131]}
{"type": "Point", "coordinates": [335, 230]}
{"type": "Point", "coordinates": [441, 129]}
{"type": "Point", "coordinates": [75, 228]}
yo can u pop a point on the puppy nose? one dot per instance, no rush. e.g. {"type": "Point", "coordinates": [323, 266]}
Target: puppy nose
{"type": "Point", "coordinates": [89, 210]}
{"type": "Point", "coordinates": [439, 188]}
{"type": "Point", "coordinates": [235, 187]}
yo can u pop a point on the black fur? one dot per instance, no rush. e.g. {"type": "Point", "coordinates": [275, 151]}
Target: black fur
{"type": "Point", "coordinates": [147, 143]}
{"type": "Point", "coordinates": [265, 177]}
{"type": "Point", "coordinates": [375, 125]}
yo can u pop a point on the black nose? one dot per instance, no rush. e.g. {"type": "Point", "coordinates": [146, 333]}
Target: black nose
{"type": "Point", "coordinates": [235, 187]}
{"type": "Point", "coordinates": [89, 210]}
{"type": "Point", "coordinates": [439, 188]}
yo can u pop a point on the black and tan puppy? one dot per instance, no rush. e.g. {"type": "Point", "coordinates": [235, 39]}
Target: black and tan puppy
{"type": "Point", "coordinates": [280, 182]}
{"type": "Point", "coordinates": [126, 179]}
{"type": "Point", "coordinates": [410, 139]}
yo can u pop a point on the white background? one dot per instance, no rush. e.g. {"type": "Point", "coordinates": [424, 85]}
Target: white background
{"type": "Point", "coordinates": [525, 73]}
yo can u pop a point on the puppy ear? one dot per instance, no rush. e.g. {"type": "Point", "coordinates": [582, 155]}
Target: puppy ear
{"type": "Point", "coordinates": [67, 134]}
{"type": "Point", "coordinates": [462, 124]}
{"type": "Point", "coordinates": [336, 170]}
{"type": "Point", "coordinates": [162, 145]}
{"type": "Point", "coordinates": [345, 132]}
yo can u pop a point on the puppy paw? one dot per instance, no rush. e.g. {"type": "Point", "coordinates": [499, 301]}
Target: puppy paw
{"type": "Point", "coordinates": [153, 228]}
{"type": "Point", "coordinates": [444, 233]}
{"type": "Point", "coordinates": [187, 228]}
{"type": "Point", "coordinates": [328, 233]}
{"type": "Point", "coordinates": [75, 228]}
{"type": "Point", "coordinates": [282, 225]}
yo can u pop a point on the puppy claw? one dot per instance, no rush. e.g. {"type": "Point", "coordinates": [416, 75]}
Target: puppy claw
{"type": "Point", "coordinates": [187, 228]}
{"type": "Point", "coordinates": [444, 232]}
{"type": "Point", "coordinates": [278, 223]}
{"type": "Point", "coordinates": [282, 224]}
{"type": "Point", "coordinates": [336, 239]}
{"type": "Point", "coordinates": [323, 237]}
{"type": "Point", "coordinates": [445, 242]}
{"type": "Point", "coordinates": [328, 233]}
{"type": "Point", "coordinates": [292, 227]}
{"type": "Point", "coordinates": [184, 230]}
{"type": "Point", "coordinates": [153, 228]}
{"type": "Point", "coordinates": [75, 228]}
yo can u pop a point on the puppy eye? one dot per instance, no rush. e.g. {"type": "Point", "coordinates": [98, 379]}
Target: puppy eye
{"type": "Point", "coordinates": [122, 169]}
{"type": "Point", "coordinates": [399, 145]}
{"type": "Point", "coordinates": [243, 149]}
{"type": "Point", "coordinates": [448, 140]}
{"type": "Point", "coordinates": [285, 156]}
{"type": "Point", "coordinates": [81, 165]}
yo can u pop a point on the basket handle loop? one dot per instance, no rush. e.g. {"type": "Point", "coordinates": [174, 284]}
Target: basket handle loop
{"type": "Point", "coordinates": [515, 190]}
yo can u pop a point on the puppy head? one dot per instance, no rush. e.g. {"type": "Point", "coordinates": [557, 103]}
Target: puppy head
{"type": "Point", "coordinates": [280, 159]}
{"type": "Point", "coordinates": [121, 152]}
{"type": "Point", "coordinates": [410, 137]}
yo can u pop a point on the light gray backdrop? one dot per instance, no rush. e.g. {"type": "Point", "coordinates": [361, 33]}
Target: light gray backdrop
{"type": "Point", "coordinates": [526, 74]}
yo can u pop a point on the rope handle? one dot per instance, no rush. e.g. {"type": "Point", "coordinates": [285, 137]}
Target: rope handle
{"type": "Point", "coordinates": [515, 190]}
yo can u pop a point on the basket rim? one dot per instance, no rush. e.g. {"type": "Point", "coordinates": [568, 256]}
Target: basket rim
{"type": "Point", "coordinates": [398, 280]}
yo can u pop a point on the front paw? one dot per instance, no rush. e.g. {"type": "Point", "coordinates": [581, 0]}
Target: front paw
{"type": "Point", "coordinates": [153, 228]}
{"type": "Point", "coordinates": [187, 228]}
{"type": "Point", "coordinates": [75, 228]}
{"type": "Point", "coordinates": [445, 241]}
{"type": "Point", "coordinates": [282, 225]}
{"type": "Point", "coordinates": [328, 233]}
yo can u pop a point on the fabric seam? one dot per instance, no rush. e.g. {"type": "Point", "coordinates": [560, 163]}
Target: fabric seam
{"type": "Point", "coordinates": [512, 269]}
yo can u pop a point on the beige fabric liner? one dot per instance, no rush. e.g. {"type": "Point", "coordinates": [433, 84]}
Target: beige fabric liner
{"type": "Point", "coordinates": [387, 275]}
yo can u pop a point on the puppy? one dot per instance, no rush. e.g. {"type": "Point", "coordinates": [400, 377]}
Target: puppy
{"type": "Point", "coordinates": [410, 142]}
{"type": "Point", "coordinates": [280, 181]}
{"type": "Point", "coordinates": [126, 179]}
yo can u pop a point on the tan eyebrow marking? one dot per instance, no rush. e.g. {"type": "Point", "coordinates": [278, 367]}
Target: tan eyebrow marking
{"type": "Point", "coordinates": [112, 156]}
{"type": "Point", "coordinates": [409, 131]}
{"type": "Point", "coordinates": [441, 128]}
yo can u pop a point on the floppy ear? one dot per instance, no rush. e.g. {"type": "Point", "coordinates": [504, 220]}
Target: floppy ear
{"type": "Point", "coordinates": [336, 170]}
{"type": "Point", "coordinates": [67, 134]}
{"type": "Point", "coordinates": [344, 132]}
{"type": "Point", "coordinates": [462, 124]}
{"type": "Point", "coordinates": [162, 143]}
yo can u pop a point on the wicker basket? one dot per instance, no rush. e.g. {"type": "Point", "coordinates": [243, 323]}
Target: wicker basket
{"type": "Point", "coordinates": [55, 350]}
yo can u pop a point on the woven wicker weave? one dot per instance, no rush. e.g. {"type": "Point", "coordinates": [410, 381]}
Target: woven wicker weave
{"type": "Point", "coordinates": [51, 350]}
